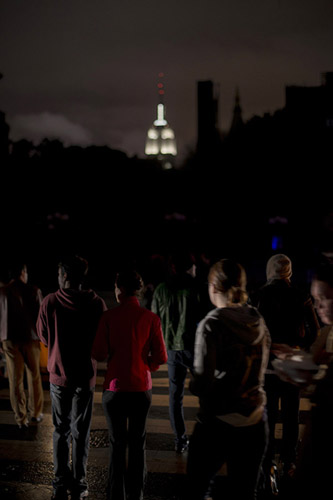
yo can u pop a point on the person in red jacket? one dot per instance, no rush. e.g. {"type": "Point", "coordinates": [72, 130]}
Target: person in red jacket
{"type": "Point", "coordinates": [67, 325]}
{"type": "Point", "coordinates": [130, 338]}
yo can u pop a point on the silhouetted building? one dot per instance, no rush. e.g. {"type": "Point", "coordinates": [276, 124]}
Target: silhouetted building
{"type": "Point", "coordinates": [161, 141]}
{"type": "Point", "coordinates": [208, 134]}
{"type": "Point", "coordinates": [4, 136]}
{"type": "Point", "coordinates": [311, 107]}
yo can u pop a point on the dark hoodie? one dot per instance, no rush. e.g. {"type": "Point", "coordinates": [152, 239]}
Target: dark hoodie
{"type": "Point", "coordinates": [231, 355]}
{"type": "Point", "coordinates": [67, 325]}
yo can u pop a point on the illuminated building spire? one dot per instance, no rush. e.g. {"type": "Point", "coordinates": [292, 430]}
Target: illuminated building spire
{"type": "Point", "coordinates": [160, 122]}
{"type": "Point", "coordinates": [160, 142]}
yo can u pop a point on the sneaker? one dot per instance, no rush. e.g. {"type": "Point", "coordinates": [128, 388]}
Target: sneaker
{"type": "Point", "coordinates": [37, 419]}
{"type": "Point", "coordinates": [273, 476]}
{"type": "Point", "coordinates": [182, 446]}
{"type": "Point", "coordinates": [24, 425]}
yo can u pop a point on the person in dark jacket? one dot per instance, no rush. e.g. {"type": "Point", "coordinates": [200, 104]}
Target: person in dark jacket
{"type": "Point", "coordinates": [130, 338]}
{"type": "Point", "coordinates": [292, 321]}
{"type": "Point", "coordinates": [19, 306]}
{"type": "Point", "coordinates": [67, 325]}
{"type": "Point", "coordinates": [231, 354]}
{"type": "Point", "coordinates": [176, 302]}
{"type": "Point", "coordinates": [316, 461]}
{"type": "Point", "coordinates": [314, 372]}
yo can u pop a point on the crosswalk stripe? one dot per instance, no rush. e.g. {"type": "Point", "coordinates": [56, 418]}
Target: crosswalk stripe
{"type": "Point", "coordinates": [36, 448]}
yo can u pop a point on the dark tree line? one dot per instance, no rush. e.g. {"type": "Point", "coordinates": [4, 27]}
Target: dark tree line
{"type": "Point", "coordinates": [100, 201]}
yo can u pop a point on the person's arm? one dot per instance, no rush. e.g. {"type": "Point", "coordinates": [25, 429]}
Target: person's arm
{"type": "Point", "coordinates": [154, 304]}
{"type": "Point", "coordinates": [3, 317]}
{"type": "Point", "coordinates": [318, 348]}
{"type": "Point", "coordinates": [3, 314]}
{"type": "Point", "coordinates": [39, 296]}
{"type": "Point", "coordinates": [312, 326]}
{"type": "Point", "coordinates": [204, 359]}
{"type": "Point", "coordinates": [158, 355]}
{"type": "Point", "coordinates": [42, 324]}
{"type": "Point", "coordinates": [100, 350]}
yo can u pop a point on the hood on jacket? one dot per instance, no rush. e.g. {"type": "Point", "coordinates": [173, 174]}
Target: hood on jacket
{"type": "Point", "coordinates": [75, 299]}
{"type": "Point", "coordinates": [244, 321]}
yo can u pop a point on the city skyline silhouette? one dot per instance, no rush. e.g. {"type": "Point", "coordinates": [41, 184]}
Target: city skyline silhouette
{"type": "Point", "coordinates": [86, 73]}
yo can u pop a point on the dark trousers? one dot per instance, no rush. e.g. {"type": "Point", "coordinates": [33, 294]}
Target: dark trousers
{"type": "Point", "coordinates": [289, 395]}
{"type": "Point", "coordinates": [71, 415]}
{"type": "Point", "coordinates": [214, 443]}
{"type": "Point", "coordinates": [126, 415]}
{"type": "Point", "coordinates": [179, 362]}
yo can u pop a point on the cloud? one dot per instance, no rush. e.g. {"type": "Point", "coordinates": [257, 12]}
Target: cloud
{"type": "Point", "coordinates": [36, 127]}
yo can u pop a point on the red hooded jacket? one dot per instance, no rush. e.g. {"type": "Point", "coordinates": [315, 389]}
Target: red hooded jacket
{"type": "Point", "coordinates": [67, 324]}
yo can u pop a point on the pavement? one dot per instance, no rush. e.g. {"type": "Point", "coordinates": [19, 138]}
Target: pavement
{"type": "Point", "coordinates": [26, 468]}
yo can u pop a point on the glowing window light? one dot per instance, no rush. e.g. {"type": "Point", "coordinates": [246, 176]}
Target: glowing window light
{"type": "Point", "coordinates": [151, 148]}
{"type": "Point", "coordinates": [152, 133]}
{"type": "Point", "coordinates": [160, 122]}
{"type": "Point", "coordinates": [169, 149]}
{"type": "Point", "coordinates": [167, 133]}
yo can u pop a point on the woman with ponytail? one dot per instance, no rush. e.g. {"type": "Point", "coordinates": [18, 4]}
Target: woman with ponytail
{"type": "Point", "coordinates": [231, 355]}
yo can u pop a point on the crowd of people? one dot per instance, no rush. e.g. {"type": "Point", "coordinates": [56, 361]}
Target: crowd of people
{"type": "Point", "coordinates": [228, 346]}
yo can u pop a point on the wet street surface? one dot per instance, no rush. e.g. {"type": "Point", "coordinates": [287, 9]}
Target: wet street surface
{"type": "Point", "coordinates": [26, 469]}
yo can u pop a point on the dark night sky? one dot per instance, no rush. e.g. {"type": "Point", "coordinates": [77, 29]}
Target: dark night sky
{"type": "Point", "coordinates": [86, 71]}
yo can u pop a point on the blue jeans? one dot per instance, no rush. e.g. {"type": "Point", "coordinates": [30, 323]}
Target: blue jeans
{"type": "Point", "coordinates": [71, 415]}
{"type": "Point", "coordinates": [126, 415]}
{"type": "Point", "coordinates": [179, 362]}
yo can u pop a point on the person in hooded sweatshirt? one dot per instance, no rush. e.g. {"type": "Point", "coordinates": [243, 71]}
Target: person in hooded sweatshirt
{"type": "Point", "coordinates": [231, 354]}
{"type": "Point", "coordinates": [67, 325]}
{"type": "Point", "coordinates": [292, 322]}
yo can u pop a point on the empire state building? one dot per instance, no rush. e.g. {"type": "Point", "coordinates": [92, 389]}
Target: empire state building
{"type": "Point", "coordinates": [160, 141]}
